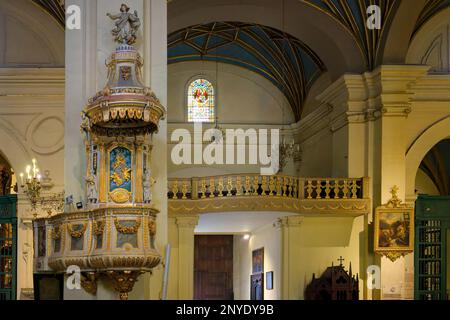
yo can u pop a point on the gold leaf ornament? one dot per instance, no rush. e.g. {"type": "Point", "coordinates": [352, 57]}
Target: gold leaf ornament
{"type": "Point", "coordinates": [127, 229]}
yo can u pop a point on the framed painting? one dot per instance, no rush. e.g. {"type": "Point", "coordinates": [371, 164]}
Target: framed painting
{"type": "Point", "coordinates": [257, 286]}
{"type": "Point", "coordinates": [394, 231]}
{"type": "Point", "coordinates": [269, 280]}
{"type": "Point", "coordinates": [258, 260]}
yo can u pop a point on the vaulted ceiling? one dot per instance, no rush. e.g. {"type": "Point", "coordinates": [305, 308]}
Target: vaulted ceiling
{"type": "Point", "coordinates": [352, 16]}
{"type": "Point", "coordinates": [431, 8]}
{"type": "Point", "coordinates": [284, 60]}
{"type": "Point", "coordinates": [55, 8]}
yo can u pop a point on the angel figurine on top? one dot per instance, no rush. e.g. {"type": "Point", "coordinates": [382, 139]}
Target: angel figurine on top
{"type": "Point", "coordinates": [127, 25]}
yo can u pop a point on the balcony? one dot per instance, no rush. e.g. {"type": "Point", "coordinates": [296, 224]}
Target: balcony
{"type": "Point", "coordinates": [280, 193]}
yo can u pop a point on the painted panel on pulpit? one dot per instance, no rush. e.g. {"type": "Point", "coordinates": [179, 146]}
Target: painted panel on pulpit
{"type": "Point", "coordinates": [125, 238]}
{"type": "Point", "coordinates": [120, 169]}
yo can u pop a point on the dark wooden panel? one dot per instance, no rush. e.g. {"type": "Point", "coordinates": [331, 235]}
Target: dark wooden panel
{"type": "Point", "coordinates": [213, 267]}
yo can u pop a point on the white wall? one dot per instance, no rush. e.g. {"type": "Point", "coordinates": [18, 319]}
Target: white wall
{"type": "Point", "coordinates": [268, 237]}
{"type": "Point", "coordinates": [244, 99]}
{"type": "Point", "coordinates": [242, 96]}
{"type": "Point", "coordinates": [28, 36]}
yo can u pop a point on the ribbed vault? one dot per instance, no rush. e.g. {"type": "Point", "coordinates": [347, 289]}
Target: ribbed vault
{"type": "Point", "coordinates": [352, 15]}
{"type": "Point", "coordinates": [55, 8]}
{"type": "Point", "coordinates": [286, 61]}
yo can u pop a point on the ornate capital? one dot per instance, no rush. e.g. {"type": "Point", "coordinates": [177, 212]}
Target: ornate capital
{"type": "Point", "coordinates": [187, 222]}
{"type": "Point", "coordinates": [292, 221]}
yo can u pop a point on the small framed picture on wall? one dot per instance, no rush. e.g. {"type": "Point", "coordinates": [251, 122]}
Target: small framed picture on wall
{"type": "Point", "coordinates": [258, 260]}
{"type": "Point", "coordinates": [269, 280]}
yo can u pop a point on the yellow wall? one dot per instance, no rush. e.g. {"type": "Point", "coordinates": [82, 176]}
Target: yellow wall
{"type": "Point", "coordinates": [323, 240]}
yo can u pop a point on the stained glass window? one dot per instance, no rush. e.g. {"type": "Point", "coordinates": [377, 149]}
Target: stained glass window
{"type": "Point", "coordinates": [200, 101]}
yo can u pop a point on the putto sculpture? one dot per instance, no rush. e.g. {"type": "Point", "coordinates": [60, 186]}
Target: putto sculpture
{"type": "Point", "coordinates": [127, 25]}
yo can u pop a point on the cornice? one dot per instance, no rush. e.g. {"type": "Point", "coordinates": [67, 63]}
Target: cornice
{"type": "Point", "coordinates": [332, 207]}
{"type": "Point", "coordinates": [32, 81]}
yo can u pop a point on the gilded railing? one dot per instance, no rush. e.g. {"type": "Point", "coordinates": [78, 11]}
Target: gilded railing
{"type": "Point", "coordinates": [242, 185]}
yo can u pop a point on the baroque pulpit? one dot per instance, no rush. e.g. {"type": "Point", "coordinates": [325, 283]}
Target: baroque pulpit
{"type": "Point", "coordinates": [113, 235]}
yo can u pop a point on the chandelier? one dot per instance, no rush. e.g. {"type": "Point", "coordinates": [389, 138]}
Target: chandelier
{"type": "Point", "coordinates": [31, 184]}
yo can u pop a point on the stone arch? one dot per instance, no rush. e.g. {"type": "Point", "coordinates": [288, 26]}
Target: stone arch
{"type": "Point", "coordinates": [431, 136]}
{"type": "Point", "coordinates": [13, 150]}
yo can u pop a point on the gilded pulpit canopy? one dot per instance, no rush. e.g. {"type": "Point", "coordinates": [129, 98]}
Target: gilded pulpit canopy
{"type": "Point", "coordinates": [127, 25]}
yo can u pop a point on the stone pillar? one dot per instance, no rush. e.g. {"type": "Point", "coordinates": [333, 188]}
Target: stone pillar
{"type": "Point", "coordinates": [186, 226]}
{"type": "Point", "coordinates": [154, 51]}
{"type": "Point", "coordinates": [24, 248]}
{"type": "Point", "coordinates": [290, 246]}
{"type": "Point", "coordinates": [395, 107]}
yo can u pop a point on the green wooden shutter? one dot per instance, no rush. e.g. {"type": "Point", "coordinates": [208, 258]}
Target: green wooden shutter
{"type": "Point", "coordinates": [432, 215]}
{"type": "Point", "coordinates": [8, 247]}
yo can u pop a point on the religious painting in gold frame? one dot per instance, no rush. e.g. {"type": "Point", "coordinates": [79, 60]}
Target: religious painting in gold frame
{"type": "Point", "coordinates": [120, 177]}
{"type": "Point", "coordinates": [394, 228]}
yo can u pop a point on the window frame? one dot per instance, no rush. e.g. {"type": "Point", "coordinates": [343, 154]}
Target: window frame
{"type": "Point", "coordinates": [186, 98]}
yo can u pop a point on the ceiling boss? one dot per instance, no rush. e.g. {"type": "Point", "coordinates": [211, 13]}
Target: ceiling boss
{"type": "Point", "coordinates": [118, 123]}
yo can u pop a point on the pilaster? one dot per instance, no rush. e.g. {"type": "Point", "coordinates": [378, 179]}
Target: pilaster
{"type": "Point", "coordinates": [186, 226]}
{"type": "Point", "coordinates": [290, 246]}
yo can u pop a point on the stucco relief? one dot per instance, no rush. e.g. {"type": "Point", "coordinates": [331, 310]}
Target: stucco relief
{"type": "Point", "coordinates": [45, 134]}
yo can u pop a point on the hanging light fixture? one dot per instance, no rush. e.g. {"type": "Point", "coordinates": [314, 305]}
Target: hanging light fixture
{"type": "Point", "coordinates": [219, 133]}
{"type": "Point", "coordinates": [31, 184]}
{"type": "Point", "coordinates": [287, 150]}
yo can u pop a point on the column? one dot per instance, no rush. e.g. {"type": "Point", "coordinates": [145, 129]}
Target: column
{"type": "Point", "coordinates": [154, 51]}
{"type": "Point", "coordinates": [186, 226]}
{"type": "Point", "coordinates": [290, 255]}
{"type": "Point", "coordinates": [102, 173]}
{"type": "Point", "coordinates": [138, 195]}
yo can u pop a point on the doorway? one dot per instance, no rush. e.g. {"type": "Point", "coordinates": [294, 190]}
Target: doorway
{"type": "Point", "coordinates": [213, 267]}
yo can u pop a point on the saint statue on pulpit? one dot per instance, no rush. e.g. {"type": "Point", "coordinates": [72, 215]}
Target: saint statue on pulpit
{"type": "Point", "coordinates": [127, 25]}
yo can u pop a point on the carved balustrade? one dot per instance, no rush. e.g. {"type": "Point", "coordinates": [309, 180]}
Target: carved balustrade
{"type": "Point", "coordinates": [236, 185]}
{"type": "Point", "coordinates": [287, 193]}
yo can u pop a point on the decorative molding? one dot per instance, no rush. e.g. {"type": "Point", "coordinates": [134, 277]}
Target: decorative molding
{"type": "Point", "coordinates": [338, 207]}
{"type": "Point", "coordinates": [292, 221]}
{"type": "Point", "coordinates": [187, 221]}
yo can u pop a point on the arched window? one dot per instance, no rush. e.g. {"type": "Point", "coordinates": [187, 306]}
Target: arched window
{"type": "Point", "coordinates": [200, 101]}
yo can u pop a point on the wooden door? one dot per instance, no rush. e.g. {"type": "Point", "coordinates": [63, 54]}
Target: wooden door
{"type": "Point", "coordinates": [213, 267]}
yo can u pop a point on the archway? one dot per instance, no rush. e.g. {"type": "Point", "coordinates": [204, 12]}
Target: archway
{"type": "Point", "coordinates": [433, 176]}
{"type": "Point", "coordinates": [415, 154]}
